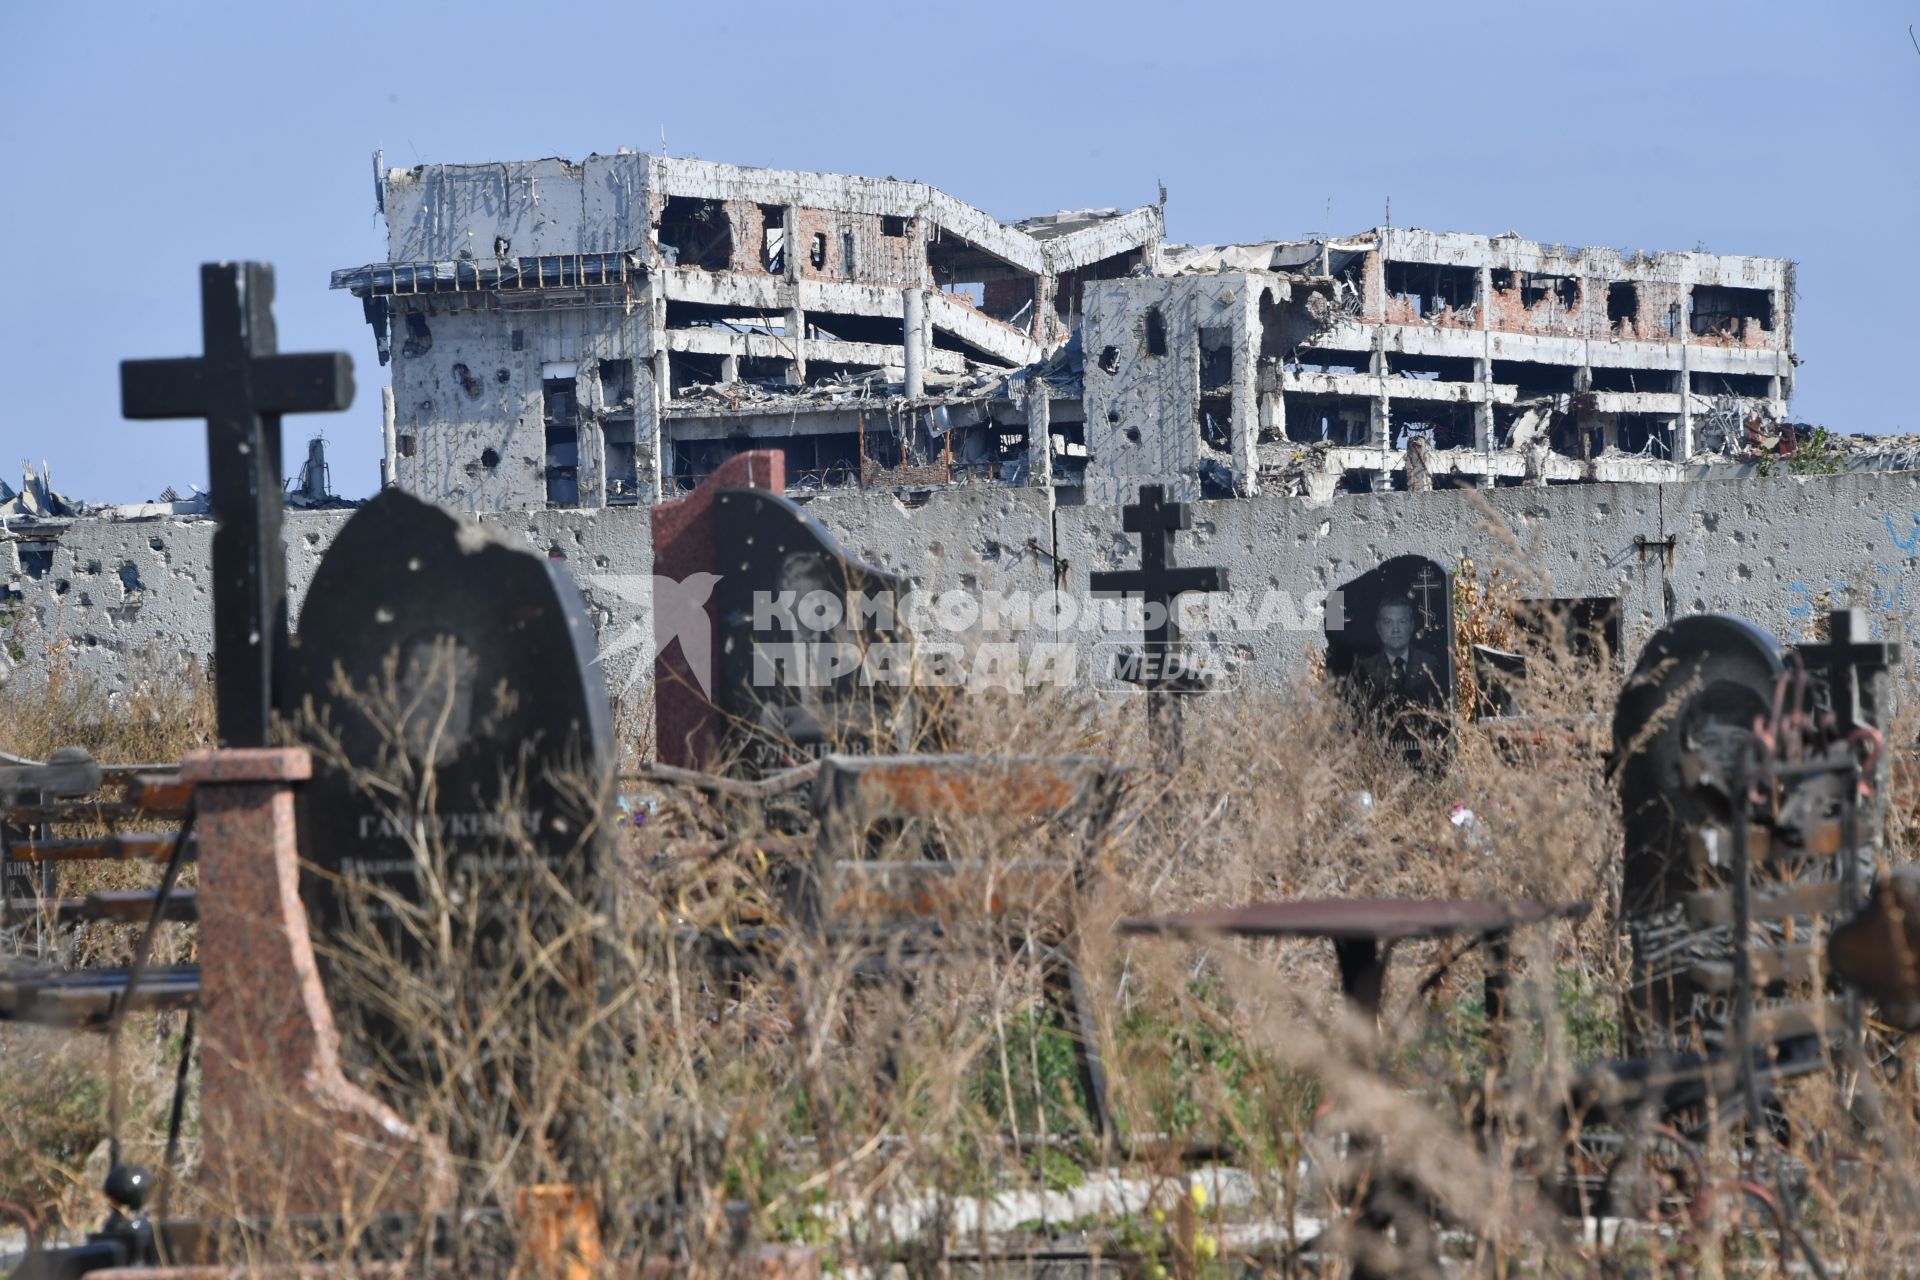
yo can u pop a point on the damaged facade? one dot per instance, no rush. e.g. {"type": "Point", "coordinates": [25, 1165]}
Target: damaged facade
{"type": "Point", "coordinates": [1412, 359]}
{"type": "Point", "coordinates": [605, 333]}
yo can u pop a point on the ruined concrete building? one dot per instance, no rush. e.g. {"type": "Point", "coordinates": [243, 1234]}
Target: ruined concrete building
{"type": "Point", "coordinates": [607, 332]}
{"type": "Point", "coordinates": [1431, 360]}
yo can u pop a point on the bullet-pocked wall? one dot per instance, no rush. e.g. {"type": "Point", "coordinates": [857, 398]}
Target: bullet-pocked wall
{"type": "Point", "coordinates": [510, 410]}
{"type": "Point", "coordinates": [123, 599]}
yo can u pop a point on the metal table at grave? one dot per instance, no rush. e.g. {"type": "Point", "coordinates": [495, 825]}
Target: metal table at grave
{"type": "Point", "coordinates": [1364, 932]}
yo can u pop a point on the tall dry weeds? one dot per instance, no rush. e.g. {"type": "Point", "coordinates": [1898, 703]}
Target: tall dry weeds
{"type": "Point", "coordinates": [787, 1097]}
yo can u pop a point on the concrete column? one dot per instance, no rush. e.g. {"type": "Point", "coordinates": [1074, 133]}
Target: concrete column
{"type": "Point", "coordinates": [913, 313]}
{"type": "Point", "coordinates": [796, 322]}
{"type": "Point", "coordinates": [1273, 413]}
{"type": "Point", "coordinates": [730, 367]}
{"type": "Point", "coordinates": [1683, 439]}
{"type": "Point", "coordinates": [1246, 395]}
{"type": "Point", "coordinates": [648, 462]}
{"type": "Point", "coordinates": [390, 455]}
{"type": "Point", "coordinates": [1039, 433]}
{"type": "Point", "coordinates": [1419, 465]}
{"type": "Point", "coordinates": [796, 326]}
{"type": "Point", "coordinates": [1380, 421]}
{"type": "Point", "coordinates": [1483, 426]}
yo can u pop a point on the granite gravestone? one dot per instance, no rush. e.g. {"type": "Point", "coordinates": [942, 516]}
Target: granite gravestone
{"type": "Point", "coordinates": [814, 655]}
{"type": "Point", "coordinates": [1390, 644]}
{"type": "Point", "coordinates": [455, 824]}
{"type": "Point", "coordinates": [689, 728]}
{"type": "Point", "coordinates": [1687, 715]}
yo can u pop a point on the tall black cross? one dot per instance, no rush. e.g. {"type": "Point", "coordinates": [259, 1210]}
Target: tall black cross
{"type": "Point", "coordinates": [1159, 584]}
{"type": "Point", "coordinates": [1850, 659]}
{"type": "Point", "coordinates": [241, 386]}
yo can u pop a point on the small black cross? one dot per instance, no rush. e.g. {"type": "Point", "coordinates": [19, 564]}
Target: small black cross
{"type": "Point", "coordinates": [241, 387]}
{"type": "Point", "coordinates": [1158, 583]}
{"type": "Point", "coordinates": [1846, 653]}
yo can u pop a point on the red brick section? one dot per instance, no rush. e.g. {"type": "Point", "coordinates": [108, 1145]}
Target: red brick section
{"type": "Point", "coordinates": [285, 1132]}
{"type": "Point", "coordinates": [686, 722]}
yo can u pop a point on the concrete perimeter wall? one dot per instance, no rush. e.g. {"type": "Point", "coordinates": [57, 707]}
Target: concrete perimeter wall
{"type": "Point", "coordinates": [123, 600]}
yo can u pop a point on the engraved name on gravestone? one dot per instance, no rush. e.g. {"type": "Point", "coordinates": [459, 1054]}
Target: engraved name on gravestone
{"type": "Point", "coordinates": [455, 821]}
{"type": "Point", "coordinates": [1390, 645]}
{"type": "Point", "coordinates": [1691, 703]}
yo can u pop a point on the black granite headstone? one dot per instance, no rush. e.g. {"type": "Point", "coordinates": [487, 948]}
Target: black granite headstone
{"type": "Point", "coordinates": [1691, 704]}
{"type": "Point", "coordinates": [456, 822]}
{"type": "Point", "coordinates": [815, 654]}
{"type": "Point", "coordinates": [1390, 642]}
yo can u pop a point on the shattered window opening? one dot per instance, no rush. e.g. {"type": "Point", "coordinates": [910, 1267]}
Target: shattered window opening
{"type": "Point", "coordinates": [1216, 359]}
{"type": "Point", "coordinates": [696, 233]}
{"type": "Point", "coordinates": [1432, 288]}
{"type": "Point", "coordinates": [561, 413]}
{"type": "Point", "coordinates": [1340, 420]}
{"type": "Point", "coordinates": [1447, 423]}
{"type": "Point", "coordinates": [1155, 337]}
{"type": "Point", "coordinates": [1433, 368]}
{"type": "Point", "coordinates": [616, 382]}
{"type": "Point", "coordinates": [1729, 311]}
{"type": "Point", "coordinates": [773, 239]}
{"type": "Point", "coordinates": [622, 478]}
{"type": "Point", "coordinates": [1316, 360]}
{"type": "Point", "coordinates": [1623, 306]}
{"type": "Point", "coordinates": [1530, 378]}
{"type": "Point", "coordinates": [1644, 435]}
{"type": "Point", "coordinates": [1536, 288]}
{"type": "Point", "coordinates": [1630, 380]}
{"type": "Point", "coordinates": [1752, 386]}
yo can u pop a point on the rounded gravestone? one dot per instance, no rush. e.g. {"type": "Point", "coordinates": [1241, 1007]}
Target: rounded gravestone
{"type": "Point", "coordinates": [455, 824]}
{"type": "Point", "coordinates": [1390, 645]}
{"type": "Point", "coordinates": [1690, 705]}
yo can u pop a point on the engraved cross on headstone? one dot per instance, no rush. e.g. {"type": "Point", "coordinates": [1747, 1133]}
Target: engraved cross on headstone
{"type": "Point", "coordinates": [1159, 584]}
{"type": "Point", "coordinates": [241, 386]}
{"type": "Point", "coordinates": [1427, 585]}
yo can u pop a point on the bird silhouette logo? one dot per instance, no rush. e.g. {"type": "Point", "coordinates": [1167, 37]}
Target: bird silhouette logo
{"type": "Point", "coordinates": [679, 612]}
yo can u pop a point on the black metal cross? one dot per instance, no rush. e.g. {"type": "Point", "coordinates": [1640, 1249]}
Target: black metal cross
{"type": "Point", "coordinates": [1849, 652]}
{"type": "Point", "coordinates": [1159, 584]}
{"type": "Point", "coordinates": [241, 386]}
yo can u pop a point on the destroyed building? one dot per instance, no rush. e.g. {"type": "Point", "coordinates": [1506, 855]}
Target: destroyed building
{"type": "Point", "coordinates": [607, 332]}
{"type": "Point", "coordinates": [1412, 359]}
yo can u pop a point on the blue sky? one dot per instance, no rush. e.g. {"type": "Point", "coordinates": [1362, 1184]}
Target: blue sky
{"type": "Point", "coordinates": [141, 140]}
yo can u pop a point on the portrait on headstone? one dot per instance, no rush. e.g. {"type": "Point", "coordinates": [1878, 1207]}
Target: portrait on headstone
{"type": "Point", "coordinates": [1390, 645]}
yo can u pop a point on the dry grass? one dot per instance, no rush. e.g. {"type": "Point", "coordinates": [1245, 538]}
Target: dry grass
{"type": "Point", "coordinates": [794, 1102]}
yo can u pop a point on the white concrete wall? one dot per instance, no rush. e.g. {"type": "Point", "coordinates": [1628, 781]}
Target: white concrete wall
{"type": "Point", "coordinates": [437, 212]}
{"type": "Point", "coordinates": [1767, 549]}
{"type": "Point", "coordinates": [499, 404]}
{"type": "Point", "coordinates": [1143, 416]}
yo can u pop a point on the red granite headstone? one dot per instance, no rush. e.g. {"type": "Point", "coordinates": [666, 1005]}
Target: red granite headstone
{"type": "Point", "coordinates": [687, 723]}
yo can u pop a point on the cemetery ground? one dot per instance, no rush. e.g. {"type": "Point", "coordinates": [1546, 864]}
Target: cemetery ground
{"type": "Point", "coordinates": [944, 1123]}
